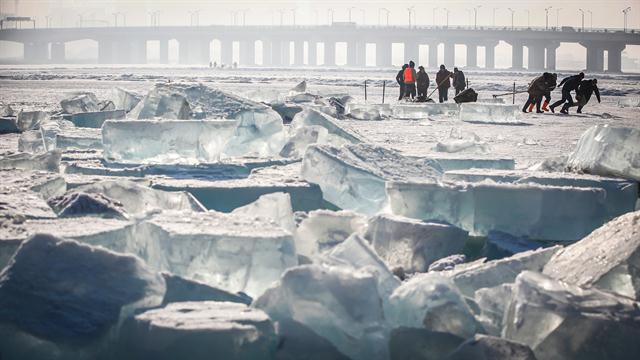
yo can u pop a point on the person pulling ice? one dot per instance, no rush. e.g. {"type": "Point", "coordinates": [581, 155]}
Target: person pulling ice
{"type": "Point", "coordinates": [583, 94]}
{"type": "Point", "coordinates": [422, 82]}
{"type": "Point", "coordinates": [459, 81]}
{"type": "Point", "coordinates": [568, 84]}
{"type": "Point", "coordinates": [442, 79]}
{"type": "Point", "coordinates": [400, 80]}
{"type": "Point", "coordinates": [539, 87]}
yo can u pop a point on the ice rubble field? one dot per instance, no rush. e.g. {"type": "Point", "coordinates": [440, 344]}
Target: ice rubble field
{"type": "Point", "coordinates": [223, 215]}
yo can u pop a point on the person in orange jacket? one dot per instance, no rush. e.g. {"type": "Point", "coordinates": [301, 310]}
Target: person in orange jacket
{"type": "Point", "coordinates": [410, 81]}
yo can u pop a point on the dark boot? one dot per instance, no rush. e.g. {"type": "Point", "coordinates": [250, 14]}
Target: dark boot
{"type": "Point", "coordinates": [565, 110]}
{"type": "Point", "coordinates": [552, 108]}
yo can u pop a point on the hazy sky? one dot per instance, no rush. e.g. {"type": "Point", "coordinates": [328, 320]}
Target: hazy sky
{"type": "Point", "coordinates": [607, 13]}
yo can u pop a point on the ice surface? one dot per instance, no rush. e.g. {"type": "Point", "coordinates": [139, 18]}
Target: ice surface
{"type": "Point", "coordinates": [49, 161]}
{"type": "Point", "coordinates": [608, 151]}
{"type": "Point", "coordinates": [536, 211]}
{"type": "Point", "coordinates": [310, 117]}
{"type": "Point", "coordinates": [433, 302]}
{"type": "Point", "coordinates": [490, 113]}
{"type": "Point", "coordinates": [413, 244]}
{"type": "Point", "coordinates": [274, 207]}
{"type": "Point", "coordinates": [70, 293]}
{"type": "Point", "coordinates": [448, 263]}
{"type": "Point", "coordinates": [421, 344]}
{"type": "Point", "coordinates": [462, 141]}
{"type": "Point", "coordinates": [258, 133]}
{"type": "Point", "coordinates": [199, 330]}
{"type": "Point", "coordinates": [423, 111]}
{"type": "Point", "coordinates": [96, 119]}
{"type": "Point", "coordinates": [561, 321]}
{"type": "Point", "coordinates": [353, 177]}
{"type": "Point", "coordinates": [608, 259]}
{"type": "Point", "coordinates": [483, 347]}
{"type": "Point", "coordinates": [302, 137]}
{"type": "Point", "coordinates": [324, 229]}
{"type": "Point", "coordinates": [45, 183]}
{"type": "Point", "coordinates": [81, 103]}
{"type": "Point", "coordinates": [463, 162]}
{"type": "Point", "coordinates": [138, 199]}
{"type": "Point", "coordinates": [493, 302]}
{"type": "Point", "coordinates": [180, 289]}
{"type": "Point", "coordinates": [23, 204]}
{"type": "Point", "coordinates": [493, 273]}
{"type": "Point", "coordinates": [82, 204]}
{"type": "Point", "coordinates": [232, 252]}
{"type": "Point", "coordinates": [339, 304]}
{"type": "Point", "coordinates": [124, 99]}
{"type": "Point", "coordinates": [154, 141]}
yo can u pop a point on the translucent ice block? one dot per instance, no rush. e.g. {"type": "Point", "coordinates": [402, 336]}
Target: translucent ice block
{"type": "Point", "coordinates": [258, 133]}
{"type": "Point", "coordinates": [423, 111]}
{"type": "Point", "coordinates": [314, 117]}
{"type": "Point", "coordinates": [490, 113]}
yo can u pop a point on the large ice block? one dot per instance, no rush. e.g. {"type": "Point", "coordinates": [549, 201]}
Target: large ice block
{"type": "Point", "coordinates": [180, 289]}
{"type": "Point", "coordinates": [299, 342]}
{"type": "Point", "coordinates": [310, 117]}
{"type": "Point", "coordinates": [80, 103]}
{"type": "Point", "coordinates": [324, 229]}
{"type": "Point", "coordinates": [83, 204]}
{"type": "Point", "coordinates": [490, 113]}
{"type": "Point", "coordinates": [561, 321]}
{"type": "Point", "coordinates": [483, 347]}
{"type": "Point", "coordinates": [353, 176]}
{"type": "Point", "coordinates": [168, 141]}
{"type": "Point", "coordinates": [96, 119]}
{"type": "Point", "coordinates": [461, 141]}
{"type": "Point", "coordinates": [301, 138]}
{"type": "Point", "coordinates": [49, 161]}
{"type": "Point", "coordinates": [233, 252]}
{"type": "Point", "coordinates": [368, 111]}
{"type": "Point", "coordinates": [536, 211]}
{"type": "Point", "coordinates": [433, 302]}
{"type": "Point", "coordinates": [608, 151]}
{"type": "Point", "coordinates": [413, 244]}
{"type": "Point", "coordinates": [124, 99]}
{"type": "Point", "coordinates": [608, 259]}
{"type": "Point", "coordinates": [274, 207]}
{"type": "Point", "coordinates": [198, 331]}
{"type": "Point", "coordinates": [258, 133]}
{"type": "Point", "coordinates": [423, 111]}
{"type": "Point", "coordinates": [162, 101]}
{"type": "Point", "coordinates": [492, 302]}
{"type": "Point", "coordinates": [72, 294]}
{"type": "Point", "coordinates": [46, 184]}
{"type": "Point", "coordinates": [340, 304]}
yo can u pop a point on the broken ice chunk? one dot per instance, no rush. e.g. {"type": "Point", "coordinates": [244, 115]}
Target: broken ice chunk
{"type": "Point", "coordinates": [124, 99]}
{"type": "Point", "coordinates": [423, 111]}
{"type": "Point", "coordinates": [304, 136]}
{"type": "Point", "coordinates": [164, 102]}
{"type": "Point", "coordinates": [353, 177]}
{"type": "Point", "coordinates": [180, 289]}
{"type": "Point", "coordinates": [548, 315]}
{"type": "Point", "coordinates": [6, 111]}
{"type": "Point", "coordinates": [23, 204]}
{"type": "Point", "coordinates": [29, 120]}
{"type": "Point", "coordinates": [70, 293]}
{"type": "Point", "coordinates": [324, 229]}
{"type": "Point", "coordinates": [31, 142]}
{"type": "Point", "coordinates": [96, 119]}
{"type": "Point", "coordinates": [608, 151]}
{"type": "Point", "coordinates": [46, 184]}
{"type": "Point", "coordinates": [431, 301]}
{"type": "Point", "coordinates": [199, 331]}
{"type": "Point", "coordinates": [492, 302]}
{"type": "Point", "coordinates": [258, 133]}
{"type": "Point", "coordinates": [232, 252]}
{"type": "Point", "coordinates": [310, 117]}
{"type": "Point", "coordinates": [606, 259]}
{"type": "Point", "coordinates": [461, 141]}
{"type": "Point", "coordinates": [299, 88]}
{"type": "Point", "coordinates": [299, 342]}
{"type": "Point", "coordinates": [286, 110]}
{"type": "Point", "coordinates": [629, 102]}
{"type": "Point", "coordinates": [82, 204]}
{"type": "Point", "coordinates": [87, 102]}
{"type": "Point", "coordinates": [490, 113]}
{"type": "Point", "coordinates": [49, 161]}
{"type": "Point", "coordinates": [368, 111]}
{"type": "Point", "coordinates": [275, 207]}
{"type": "Point", "coordinates": [448, 263]}
{"type": "Point", "coordinates": [342, 305]}
{"type": "Point", "coordinates": [413, 244]}
{"type": "Point", "coordinates": [483, 347]}
{"type": "Point", "coordinates": [178, 141]}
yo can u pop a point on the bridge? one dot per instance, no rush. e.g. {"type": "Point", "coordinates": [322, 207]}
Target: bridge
{"type": "Point", "coordinates": [128, 45]}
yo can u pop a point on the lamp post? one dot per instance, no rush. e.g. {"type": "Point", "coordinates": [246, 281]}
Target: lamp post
{"type": "Point", "coordinates": [410, 10]}
{"type": "Point", "coordinates": [626, 13]}
{"type": "Point", "coordinates": [434, 15]}
{"type": "Point", "coordinates": [195, 17]}
{"type": "Point", "coordinates": [364, 16]}
{"type": "Point", "coordinates": [475, 16]}
{"type": "Point", "coordinates": [447, 11]}
{"type": "Point", "coordinates": [293, 13]}
{"type": "Point", "coordinates": [558, 17]}
{"type": "Point", "coordinates": [350, 9]}
{"type": "Point", "coordinates": [281, 16]}
{"type": "Point", "coordinates": [546, 22]}
{"type": "Point", "coordinates": [590, 19]}
{"type": "Point", "coordinates": [386, 13]}
{"type": "Point", "coordinates": [512, 13]}
{"type": "Point", "coordinates": [494, 15]}
{"type": "Point", "coordinates": [528, 17]}
{"type": "Point", "coordinates": [48, 20]}
{"type": "Point", "coordinates": [582, 12]}
{"type": "Point", "coordinates": [330, 11]}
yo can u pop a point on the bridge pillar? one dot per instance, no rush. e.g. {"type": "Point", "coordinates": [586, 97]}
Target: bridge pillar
{"type": "Point", "coordinates": [383, 54]}
{"type": "Point", "coordinates": [551, 56]}
{"type": "Point", "coordinates": [615, 58]}
{"type": "Point", "coordinates": [411, 52]}
{"type": "Point", "coordinates": [351, 53]}
{"type": "Point", "coordinates": [329, 53]}
{"type": "Point", "coordinates": [516, 56]}
{"type": "Point", "coordinates": [433, 55]}
{"type": "Point", "coordinates": [285, 58]}
{"type": "Point", "coordinates": [536, 56]}
{"type": "Point", "coordinates": [183, 51]}
{"type": "Point", "coordinates": [595, 58]}
{"type": "Point", "coordinates": [276, 53]}
{"type": "Point", "coordinates": [449, 54]}
{"type": "Point", "coordinates": [164, 51]}
{"type": "Point", "coordinates": [267, 59]}
{"type": "Point", "coordinates": [36, 52]}
{"type": "Point", "coordinates": [298, 53]}
{"type": "Point", "coordinates": [490, 55]}
{"type": "Point", "coordinates": [361, 54]}
{"type": "Point", "coordinates": [58, 52]}
{"type": "Point", "coordinates": [247, 53]}
{"type": "Point", "coordinates": [106, 52]}
{"type": "Point", "coordinates": [138, 51]}
{"type": "Point", "coordinates": [472, 55]}
{"type": "Point", "coordinates": [312, 53]}
{"type": "Point", "coordinates": [226, 52]}
{"type": "Point", "coordinates": [124, 52]}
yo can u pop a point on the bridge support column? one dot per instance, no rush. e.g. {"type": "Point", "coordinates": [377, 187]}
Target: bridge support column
{"type": "Point", "coordinates": [276, 53]}
{"type": "Point", "coordinates": [286, 53]}
{"type": "Point", "coordinates": [36, 52]}
{"type": "Point", "coordinates": [551, 56]}
{"type": "Point", "coordinates": [361, 54]}
{"type": "Point", "coordinates": [449, 54]}
{"type": "Point", "coordinates": [595, 58]}
{"type": "Point", "coordinates": [247, 53]}
{"type": "Point", "coordinates": [383, 54]}
{"type": "Point", "coordinates": [490, 56]}
{"type": "Point", "coordinates": [226, 52]}
{"type": "Point", "coordinates": [266, 53]}
{"type": "Point", "coordinates": [536, 56]}
{"type": "Point", "coordinates": [298, 53]}
{"type": "Point", "coordinates": [433, 55]}
{"type": "Point", "coordinates": [124, 52]}
{"type": "Point", "coordinates": [615, 58]}
{"type": "Point", "coordinates": [516, 56]}
{"type": "Point", "coordinates": [472, 56]}
{"type": "Point", "coordinates": [312, 53]}
{"type": "Point", "coordinates": [164, 51]}
{"type": "Point", "coordinates": [106, 52]}
{"type": "Point", "coordinates": [351, 53]}
{"type": "Point", "coordinates": [58, 52]}
{"type": "Point", "coordinates": [411, 52]}
{"type": "Point", "coordinates": [329, 53]}
{"type": "Point", "coordinates": [138, 52]}
{"type": "Point", "coordinates": [183, 51]}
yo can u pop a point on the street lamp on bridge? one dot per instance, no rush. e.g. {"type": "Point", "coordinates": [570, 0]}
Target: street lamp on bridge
{"type": "Point", "coordinates": [154, 18]}
{"type": "Point", "coordinates": [590, 19]}
{"type": "Point", "coordinates": [386, 13]}
{"type": "Point", "coordinates": [195, 17]}
{"type": "Point", "coordinates": [434, 15]}
{"type": "Point", "coordinates": [475, 16]}
{"type": "Point", "coordinates": [582, 13]}
{"type": "Point", "coordinates": [512, 14]}
{"type": "Point", "coordinates": [626, 13]}
{"type": "Point", "coordinates": [494, 15]}
{"type": "Point", "coordinates": [528, 17]}
{"type": "Point", "coordinates": [293, 13]}
{"type": "Point", "coordinates": [447, 11]}
{"type": "Point", "coordinates": [281, 16]}
{"type": "Point", "coordinates": [350, 9]}
{"type": "Point", "coordinates": [546, 12]}
{"type": "Point", "coordinates": [410, 10]}
{"type": "Point", "coordinates": [558, 17]}
{"type": "Point", "coordinates": [329, 11]}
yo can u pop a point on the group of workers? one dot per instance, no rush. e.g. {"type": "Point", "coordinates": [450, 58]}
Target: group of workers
{"type": "Point", "coordinates": [543, 85]}
{"type": "Point", "coordinates": [414, 85]}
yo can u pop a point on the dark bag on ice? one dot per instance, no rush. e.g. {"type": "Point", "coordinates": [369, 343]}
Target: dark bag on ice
{"type": "Point", "coordinates": [466, 96]}
{"type": "Point", "coordinates": [423, 99]}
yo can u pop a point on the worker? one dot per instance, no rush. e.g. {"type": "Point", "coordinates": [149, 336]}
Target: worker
{"type": "Point", "coordinates": [459, 81]}
{"type": "Point", "coordinates": [537, 89]}
{"type": "Point", "coordinates": [444, 83]}
{"type": "Point", "coordinates": [422, 83]}
{"type": "Point", "coordinates": [550, 83]}
{"type": "Point", "coordinates": [400, 80]}
{"type": "Point", "coordinates": [410, 81]}
{"type": "Point", "coordinates": [583, 94]}
{"type": "Point", "coordinates": [568, 84]}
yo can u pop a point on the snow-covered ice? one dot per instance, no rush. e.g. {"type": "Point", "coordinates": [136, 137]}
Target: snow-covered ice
{"type": "Point", "coordinates": [82, 204]}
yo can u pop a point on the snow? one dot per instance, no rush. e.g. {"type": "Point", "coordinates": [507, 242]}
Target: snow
{"type": "Point", "coordinates": [321, 230]}
{"type": "Point", "coordinates": [608, 151]}
{"type": "Point", "coordinates": [490, 113]}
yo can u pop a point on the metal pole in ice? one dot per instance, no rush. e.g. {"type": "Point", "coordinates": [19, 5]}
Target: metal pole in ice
{"type": "Point", "coordinates": [365, 91]}
{"type": "Point", "coordinates": [384, 85]}
{"type": "Point", "coordinates": [514, 93]}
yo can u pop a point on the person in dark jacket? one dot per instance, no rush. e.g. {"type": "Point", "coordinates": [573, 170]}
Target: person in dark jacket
{"type": "Point", "coordinates": [459, 81]}
{"type": "Point", "coordinates": [444, 83]}
{"type": "Point", "coordinates": [400, 80]}
{"type": "Point", "coordinates": [568, 84]}
{"type": "Point", "coordinates": [551, 82]}
{"type": "Point", "coordinates": [537, 89]}
{"type": "Point", "coordinates": [422, 82]}
{"type": "Point", "coordinates": [583, 94]}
